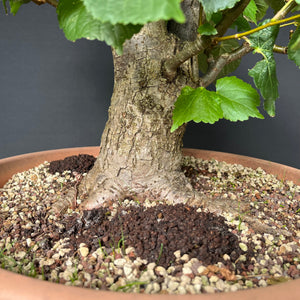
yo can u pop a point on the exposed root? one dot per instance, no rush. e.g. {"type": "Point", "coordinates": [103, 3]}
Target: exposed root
{"type": "Point", "coordinates": [238, 210]}
{"type": "Point", "coordinates": [62, 204]}
{"type": "Point", "coordinates": [173, 189]}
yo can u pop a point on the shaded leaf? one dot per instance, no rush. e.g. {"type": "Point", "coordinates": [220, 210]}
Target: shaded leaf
{"type": "Point", "coordinates": [213, 6]}
{"type": "Point", "coordinates": [207, 29]}
{"type": "Point", "coordinates": [202, 62]}
{"type": "Point", "coordinates": [226, 47]}
{"type": "Point", "coordinates": [262, 8]}
{"type": "Point", "coordinates": [264, 72]}
{"type": "Point", "coordinates": [134, 12]}
{"type": "Point", "coordinates": [241, 24]}
{"type": "Point", "coordinates": [77, 23]}
{"type": "Point", "coordinates": [199, 105]}
{"type": "Point", "coordinates": [238, 99]}
{"type": "Point", "coordinates": [275, 4]}
{"type": "Point", "coordinates": [294, 47]}
{"type": "Point", "coordinates": [265, 79]}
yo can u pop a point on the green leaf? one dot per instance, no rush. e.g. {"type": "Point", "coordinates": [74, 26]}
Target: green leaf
{"type": "Point", "coordinates": [250, 11]}
{"type": "Point", "coordinates": [207, 29]}
{"type": "Point", "coordinates": [294, 47]}
{"type": "Point", "coordinates": [226, 47]}
{"type": "Point", "coordinates": [264, 72]}
{"type": "Point", "coordinates": [265, 79]}
{"type": "Point", "coordinates": [239, 100]}
{"type": "Point", "coordinates": [264, 40]}
{"type": "Point", "coordinates": [134, 11]}
{"type": "Point", "coordinates": [213, 6]}
{"type": "Point", "coordinates": [77, 23]}
{"type": "Point", "coordinates": [262, 8]}
{"type": "Point", "coordinates": [199, 105]}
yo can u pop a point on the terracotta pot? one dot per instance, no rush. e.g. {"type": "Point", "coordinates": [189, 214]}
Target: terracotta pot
{"type": "Point", "coordinates": [17, 287]}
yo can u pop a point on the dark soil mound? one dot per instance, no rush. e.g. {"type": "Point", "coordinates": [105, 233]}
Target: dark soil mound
{"type": "Point", "coordinates": [81, 163]}
{"type": "Point", "coordinates": [155, 233]}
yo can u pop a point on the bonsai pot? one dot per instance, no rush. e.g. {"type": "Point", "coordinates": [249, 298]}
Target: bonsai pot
{"type": "Point", "coordinates": [15, 286]}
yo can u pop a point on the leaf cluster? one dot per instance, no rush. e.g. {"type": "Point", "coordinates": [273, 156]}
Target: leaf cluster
{"type": "Point", "coordinates": [115, 21]}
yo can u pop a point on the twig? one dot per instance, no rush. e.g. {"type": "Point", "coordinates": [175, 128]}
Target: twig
{"type": "Point", "coordinates": [280, 49]}
{"type": "Point", "coordinates": [193, 48]}
{"type": "Point", "coordinates": [221, 62]}
{"type": "Point", "coordinates": [243, 34]}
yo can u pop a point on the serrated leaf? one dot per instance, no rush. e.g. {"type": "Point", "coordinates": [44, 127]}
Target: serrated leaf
{"type": "Point", "coordinates": [264, 72]}
{"type": "Point", "coordinates": [265, 79]}
{"type": "Point", "coordinates": [213, 6]}
{"type": "Point", "coordinates": [207, 29]}
{"type": "Point", "coordinates": [226, 47]}
{"type": "Point", "coordinates": [250, 11]}
{"type": "Point", "coordinates": [135, 11]}
{"type": "Point", "coordinates": [264, 40]}
{"type": "Point", "coordinates": [77, 23]}
{"type": "Point", "coordinates": [199, 105]}
{"type": "Point", "coordinates": [294, 47]}
{"type": "Point", "coordinates": [238, 99]}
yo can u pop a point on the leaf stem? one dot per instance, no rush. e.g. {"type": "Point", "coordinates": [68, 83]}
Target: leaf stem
{"type": "Point", "coordinates": [271, 23]}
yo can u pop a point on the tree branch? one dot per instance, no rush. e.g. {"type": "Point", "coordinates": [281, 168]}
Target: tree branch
{"type": "Point", "coordinates": [231, 16]}
{"type": "Point", "coordinates": [221, 62]}
{"type": "Point", "coordinates": [226, 58]}
{"type": "Point", "coordinates": [51, 2]}
{"type": "Point", "coordinates": [193, 48]}
{"type": "Point", "coordinates": [189, 50]}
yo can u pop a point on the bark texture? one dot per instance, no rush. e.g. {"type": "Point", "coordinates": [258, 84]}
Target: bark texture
{"type": "Point", "coordinates": [139, 155]}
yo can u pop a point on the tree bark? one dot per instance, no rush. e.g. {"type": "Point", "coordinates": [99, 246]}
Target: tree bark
{"type": "Point", "coordinates": [138, 154]}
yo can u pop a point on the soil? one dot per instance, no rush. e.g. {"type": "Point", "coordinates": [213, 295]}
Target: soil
{"type": "Point", "coordinates": [144, 234]}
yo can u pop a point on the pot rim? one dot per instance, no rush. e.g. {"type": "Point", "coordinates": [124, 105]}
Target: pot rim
{"type": "Point", "coordinates": [16, 286]}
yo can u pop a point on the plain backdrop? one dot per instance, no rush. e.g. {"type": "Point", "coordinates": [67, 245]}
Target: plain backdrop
{"type": "Point", "coordinates": [55, 94]}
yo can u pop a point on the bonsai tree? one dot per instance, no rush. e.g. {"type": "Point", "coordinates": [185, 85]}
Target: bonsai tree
{"type": "Point", "coordinates": [172, 59]}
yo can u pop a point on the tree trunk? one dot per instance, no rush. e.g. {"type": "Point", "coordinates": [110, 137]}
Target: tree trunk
{"type": "Point", "coordinates": [138, 154]}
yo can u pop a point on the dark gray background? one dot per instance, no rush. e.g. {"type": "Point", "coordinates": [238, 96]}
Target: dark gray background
{"type": "Point", "coordinates": [55, 94]}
